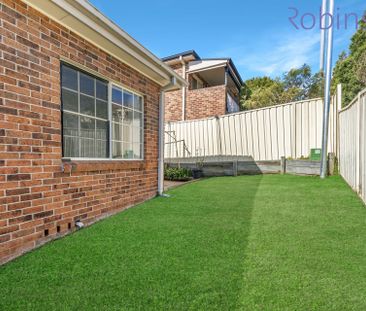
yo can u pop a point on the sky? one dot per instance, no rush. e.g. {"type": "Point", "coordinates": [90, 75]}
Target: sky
{"type": "Point", "coordinates": [257, 35]}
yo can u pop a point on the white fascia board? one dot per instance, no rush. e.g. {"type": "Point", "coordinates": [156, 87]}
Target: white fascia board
{"type": "Point", "coordinates": [203, 65]}
{"type": "Point", "coordinates": [116, 41]}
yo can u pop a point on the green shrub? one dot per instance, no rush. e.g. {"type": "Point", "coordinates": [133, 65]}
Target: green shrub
{"type": "Point", "coordinates": [177, 174]}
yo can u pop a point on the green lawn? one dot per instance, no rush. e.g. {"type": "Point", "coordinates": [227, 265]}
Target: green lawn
{"type": "Point", "coordinates": [247, 243]}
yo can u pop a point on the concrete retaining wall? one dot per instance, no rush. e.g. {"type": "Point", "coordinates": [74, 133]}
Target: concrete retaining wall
{"type": "Point", "coordinates": [247, 166]}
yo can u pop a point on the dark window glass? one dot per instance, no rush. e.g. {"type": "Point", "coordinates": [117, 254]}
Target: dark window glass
{"type": "Point", "coordinates": [102, 148]}
{"type": "Point", "coordinates": [102, 90]}
{"type": "Point", "coordinates": [127, 99]}
{"type": "Point", "coordinates": [70, 124]}
{"type": "Point", "coordinates": [69, 78]}
{"type": "Point", "coordinates": [102, 130]}
{"type": "Point", "coordinates": [70, 100]}
{"type": "Point", "coordinates": [87, 84]}
{"type": "Point", "coordinates": [87, 105]}
{"type": "Point", "coordinates": [117, 96]}
{"type": "Point", "coordinates": [102, 109]}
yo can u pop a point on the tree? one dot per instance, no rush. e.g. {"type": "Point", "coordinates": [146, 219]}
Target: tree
{"type": "Point", "coordinates": [296, 84]}
{"type": "Point", "coordinates": [300, 79]}
{"type": "Point", "coordinates": [261, 92]}
{"type": "Point", "coordinates": [350, 69]}
{"type": "Point", "coordinates": [361, 69]}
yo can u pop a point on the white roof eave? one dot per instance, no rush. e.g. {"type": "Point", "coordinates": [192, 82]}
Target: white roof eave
{"type": "Point", "coordinates": [85, 20]}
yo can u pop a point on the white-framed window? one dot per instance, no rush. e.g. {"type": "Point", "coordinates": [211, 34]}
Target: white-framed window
{"type": "Point", "coordinates": [100, 120]}
{"type": "Point", "coordinates": [127, 124]}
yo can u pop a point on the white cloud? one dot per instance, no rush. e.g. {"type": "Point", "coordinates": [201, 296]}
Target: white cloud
{"type": "Point", "coordinates": [273, 55]}
{"type": "Point", "coordinates": [284, 54]}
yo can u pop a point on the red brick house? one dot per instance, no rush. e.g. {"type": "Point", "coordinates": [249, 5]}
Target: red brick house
{"type": "Point", "coordinates": [213, 87]}
{"type": "Point", "coordinates": [81, 104]}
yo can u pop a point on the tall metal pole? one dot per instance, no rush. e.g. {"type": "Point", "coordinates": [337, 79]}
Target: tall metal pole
{"type": "Point", "coordinates": [323, 23]}
{"type": "Point", "coordinates": [328, 77]}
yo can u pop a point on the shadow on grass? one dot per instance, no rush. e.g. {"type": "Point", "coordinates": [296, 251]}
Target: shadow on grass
{"type": "Point", "coordinates": [185, 252]}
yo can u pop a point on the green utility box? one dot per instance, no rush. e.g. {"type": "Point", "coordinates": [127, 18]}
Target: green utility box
{"type": "Point", "coordinates": [316, 154]}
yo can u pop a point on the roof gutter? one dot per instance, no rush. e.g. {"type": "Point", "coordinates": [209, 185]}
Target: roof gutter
{"type": "Point", "coordinates": [168, 87]}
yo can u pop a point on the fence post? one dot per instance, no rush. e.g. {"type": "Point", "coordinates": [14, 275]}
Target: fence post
{"type": "Point", "coordinates": [235, 168]}
{"type": "Point", "coordinates": [331, 163]}
{"type": "Point", "coordinates": [283, 165]}
{"type": "Point", "coordinates": [218, 133]}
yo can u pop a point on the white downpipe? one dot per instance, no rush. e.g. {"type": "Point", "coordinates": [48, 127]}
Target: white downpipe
{"type": "Point", "coordinates": [161, 135]}
{"type": "Point", "coordinates": [184, 90]}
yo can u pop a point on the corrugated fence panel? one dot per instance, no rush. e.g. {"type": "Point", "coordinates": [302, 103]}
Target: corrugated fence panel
{"type": "Point", "coordinates": [289, 130]}
{"type": "Point", "coordinates": [352, 144]}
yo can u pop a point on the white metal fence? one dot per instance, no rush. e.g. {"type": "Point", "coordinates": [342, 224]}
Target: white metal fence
{"type": "Point", "coordinates": [352, 144]}
{"type": "Point", "coordinates": [289, 130]}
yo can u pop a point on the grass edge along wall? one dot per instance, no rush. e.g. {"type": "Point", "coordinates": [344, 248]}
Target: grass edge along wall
{"type": "Point", "coordinates": [41, 194]}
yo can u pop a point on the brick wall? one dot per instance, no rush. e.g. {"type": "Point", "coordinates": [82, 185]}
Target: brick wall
{"type": "Point", "coordinates": [40, 195]}
{"type": "Point", "coordinates": [173, 100]}
{"type": "Point", "coordinates": [206, 102]}
{"type": "Point", "coordinates": [200, 103]}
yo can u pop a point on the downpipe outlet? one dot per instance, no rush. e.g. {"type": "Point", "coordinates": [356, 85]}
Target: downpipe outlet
{"type": "Point", "coordinates": [79, 225]}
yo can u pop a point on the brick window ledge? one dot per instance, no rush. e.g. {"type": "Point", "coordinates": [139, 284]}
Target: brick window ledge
{"type": "Point", "coordinates": [94, 166]}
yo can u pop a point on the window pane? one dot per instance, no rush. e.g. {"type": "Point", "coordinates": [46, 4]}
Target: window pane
{"type": "Point", "coordinates": [102, 90]}
{"type": "Point", "coordinates": [69, 78]}
{"type": "Point", "coordinates": [137, 135]}
{"type": "Point", "coordinates": [87, 84]}
{"type": "Point", "coordinates": [101, 149]}
{"type": "Point", "coordinates": [117, 132]}
{"type": "Point", "coordinates": [127, 116]}
{"type": "Point", "coordinates": [127, 134]}
{"type": "Point", "coordinates": [87, 105]}
{"type": "Point", "coordinates": [69, 100]}
{"type": "Point", "coordinates": [127, 99]}
{"type": "Point", "coordinates": [138, 103]}
{"type": "Point", "coordinates": [117, 150]}
{"type": "Point", "coordinates": [137, 151]}
{"type": "Point", "coordinates": [127, 151]}
{"type": "Point", "coordinates": [87, 148]}
{"type": "Point", "coordinates": [87, 127]}
{"type": "Point", "coordinates": [70, 124]}
{"type": "Point", "coordinates": [102, 109]}
{"type": "Point", "coordinates": [71, 147]}
{"type": "Point", "coordinates": [101, 130]}
{"type": "Point", "coordinates": [117, 113]}
{"type": "Point", "coordinates": [117, 95]}
{"type": "Point", "coordinates": [137, 119]}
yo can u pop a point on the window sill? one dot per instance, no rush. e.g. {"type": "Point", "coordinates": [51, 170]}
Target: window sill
{"type": "Point", "coordinates": [100, 165]}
